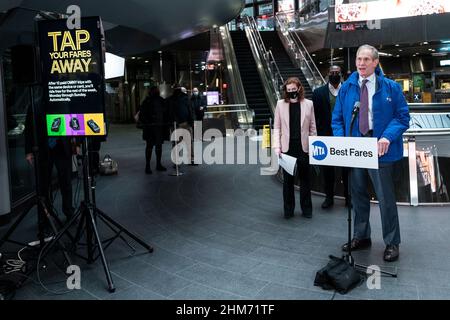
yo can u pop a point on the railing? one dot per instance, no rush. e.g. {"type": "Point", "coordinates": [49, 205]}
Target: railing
{"type": "Point", "coordinates": [297, 50]}
{"type": "Point", "coordinates": [267, 66]}
{"type": "Point", "coordinates": [236, 86]}
{"type": "Point", "coordinates": [233, 116]}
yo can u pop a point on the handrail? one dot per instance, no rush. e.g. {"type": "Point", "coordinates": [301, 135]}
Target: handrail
{"type": "Point", "coordinates": [233, 70]}
{"type": "Point", "coordinates": [267, 66]}
{"type": "Point", "coordinates": [299, 54]}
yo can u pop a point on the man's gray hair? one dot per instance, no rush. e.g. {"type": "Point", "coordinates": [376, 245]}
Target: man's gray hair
{"type": "Point", "coordinates": [374, 51]}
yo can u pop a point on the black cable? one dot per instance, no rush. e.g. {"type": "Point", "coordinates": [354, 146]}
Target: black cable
{"type": "Point", "coordinates": [334, 295]}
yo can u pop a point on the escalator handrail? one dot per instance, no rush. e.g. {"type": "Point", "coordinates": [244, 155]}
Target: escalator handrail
{"type": "Point", "coordinates": [287, 34]}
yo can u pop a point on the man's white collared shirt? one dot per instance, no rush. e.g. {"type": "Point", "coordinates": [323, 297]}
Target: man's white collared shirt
{"type": "Point", "coordinates": [333, 90]}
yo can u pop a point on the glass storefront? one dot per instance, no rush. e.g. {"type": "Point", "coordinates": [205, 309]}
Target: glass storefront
{"type": "Point", "coordinates": [17, 103]}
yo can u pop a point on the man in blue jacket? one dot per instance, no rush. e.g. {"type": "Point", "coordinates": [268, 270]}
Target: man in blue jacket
{"type": "Point", "coordinates": [383, 114]}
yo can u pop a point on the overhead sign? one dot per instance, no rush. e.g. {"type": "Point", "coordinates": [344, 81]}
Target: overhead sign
{"type": "Point", "coordinates": [72, 62]}
{"type": "Point", "coordinates": [363, 25]}
{"type": "Point", "coordinates": [354, 152]}
{"type": "Point", "coordinates": [387, 9]}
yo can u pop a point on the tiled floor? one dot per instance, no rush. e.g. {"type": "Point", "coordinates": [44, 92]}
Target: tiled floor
{"type": "Point", "coordinates": [218, 233]}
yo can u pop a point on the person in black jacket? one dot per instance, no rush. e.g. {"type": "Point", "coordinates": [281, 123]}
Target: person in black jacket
{"type": "Point", "coordinates": [198, 104]}
{"type": "Point", "coordinates": [152, 117]}
{"type": "Point", "coordinates": [324, 99]}
{"type": "Point", "coordinates": [53, 151]}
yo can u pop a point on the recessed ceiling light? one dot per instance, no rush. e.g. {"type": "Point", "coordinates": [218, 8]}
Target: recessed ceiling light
{"type": "Point", "coordinates": [321, 62]}
{"type": "Point", "coordinates": [397, 55]}
{"type": "Point", "coordinates": [400, 50]}
{"type": "Point", "coordinates": [397, 45]}
{"type": "Point", "coordinates": [341, 48]}
{"type": "Point", "coordinates": [313, 54]}
{"type": "Point", "coordinates": [425, 42]}
{"type": "Point", "coordinates": [146, 61]}
{"type": "Point", "coordinates": [133, 58]}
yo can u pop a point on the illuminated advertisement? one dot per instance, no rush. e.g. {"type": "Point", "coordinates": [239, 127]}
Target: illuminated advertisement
{"type": "Point", "coordinates": [285, 5]}
{"type": "Point", "coordinates": [72, 63]}
{"type": "Point", "coordinates": [388, 9]}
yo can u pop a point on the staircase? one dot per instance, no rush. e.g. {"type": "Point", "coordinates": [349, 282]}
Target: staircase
{"type": "Point", "coordinates": [251, 81]}
{"type": "Point", "coordinates": [287, 68]}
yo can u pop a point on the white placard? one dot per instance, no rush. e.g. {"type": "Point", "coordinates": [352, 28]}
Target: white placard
{"type": "Point", "coordinates": [353, 152]}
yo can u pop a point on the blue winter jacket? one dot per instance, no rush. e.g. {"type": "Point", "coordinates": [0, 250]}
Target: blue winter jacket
{"type": "Point", "coordinates": [390, 113]}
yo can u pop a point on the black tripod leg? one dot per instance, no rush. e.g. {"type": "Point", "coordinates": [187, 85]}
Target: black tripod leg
{"type": "Point", "coordinates": [58, 236]}
{"type": "Point", "coordinates": [102, 254]}
{"type": "Point", "coordinates": [115, 231]}
{"type": "Point", "coordinates": [394, 275]}
{"type": "Point", "coordinates": [52, 224]}
{"type": "Point", "coordinates": [14, 226]}
{"type": "Point", "coordinates": [120, 227]}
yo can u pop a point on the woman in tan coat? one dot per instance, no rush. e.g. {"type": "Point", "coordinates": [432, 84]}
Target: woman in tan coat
{"type": "Point", "coordinates": [294, 123]}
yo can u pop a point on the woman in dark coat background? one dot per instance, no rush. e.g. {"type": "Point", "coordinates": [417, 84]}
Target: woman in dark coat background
{"type": "Point", "coordinates": [152, 118]}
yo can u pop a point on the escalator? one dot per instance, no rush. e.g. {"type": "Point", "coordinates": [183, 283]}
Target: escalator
{"type": "Point", "coordinates": [251, 80]}
{"type": "Point", "coordinates": [285, 65]}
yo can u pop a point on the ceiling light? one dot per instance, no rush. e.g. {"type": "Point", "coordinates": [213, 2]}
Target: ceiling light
{"type": "Point", "coordinates": [397, 45]}
{"type": "Point", "coordinates": [146, 61]}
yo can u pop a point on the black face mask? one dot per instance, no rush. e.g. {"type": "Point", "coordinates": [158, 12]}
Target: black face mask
{"type": "Point", "coordinates": [292, 95]}
{"type": "Point", "coordinates": [334, 79]}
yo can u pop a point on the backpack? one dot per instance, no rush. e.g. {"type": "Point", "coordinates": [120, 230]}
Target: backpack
{"type": "Point", "coordinates": [339, 275]}
{"type": "Point", "coordinates": [108, 166]}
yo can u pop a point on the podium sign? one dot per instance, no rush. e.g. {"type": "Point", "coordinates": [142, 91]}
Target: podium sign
{"type": "Point", "coordinates": [353, 152]}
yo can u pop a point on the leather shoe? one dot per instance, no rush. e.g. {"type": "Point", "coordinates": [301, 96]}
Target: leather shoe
{"type": "Point", "coordinates": [288, 215]}
{"type": "Point", "coordinates": [391, 253]}
{"type": "Point", "coordinates": [358, 244]}
{"type": "Point", "coordinates": [328, 203]}
{"type": "Point", "coordinates": [160, 168]}
{"type": "Point", "coordinates": [307, 215]}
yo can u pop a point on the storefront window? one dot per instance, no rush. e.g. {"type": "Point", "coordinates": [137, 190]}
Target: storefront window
{"type": "Point", "coordinates": [265, 9]}
{"type": "Point", "coordinates": [17, 103]}
{"type": "Point", "coordinates": [247, 12]}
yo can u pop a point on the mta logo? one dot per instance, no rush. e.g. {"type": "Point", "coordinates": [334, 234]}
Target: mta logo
{"type": "Point", "coordinates": [320, 150]}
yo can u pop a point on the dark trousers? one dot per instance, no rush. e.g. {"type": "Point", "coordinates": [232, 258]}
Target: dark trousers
{"type": "Point", "coordinates": [303, 173]}
{"type": "Point", "coordinates": [148, 153]}
{"type": "Point", "coordinates": [329, 175]}
{"type": "Point", "coordinates": [62, 161]}
{"type": "Point", "coordinates": [382, 181]}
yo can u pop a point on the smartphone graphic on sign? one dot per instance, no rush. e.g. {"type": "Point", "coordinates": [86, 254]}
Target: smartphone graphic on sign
{"type": "Point", "coordinates": [75, 124]}
{"type": "Point", "coordinates": [56, 124]}
{"type": "Point", "coordinates": [94, 127]}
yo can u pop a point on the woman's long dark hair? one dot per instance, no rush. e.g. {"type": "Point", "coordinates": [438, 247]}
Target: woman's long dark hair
{"type": "Point", "coordinates": [301, 90]}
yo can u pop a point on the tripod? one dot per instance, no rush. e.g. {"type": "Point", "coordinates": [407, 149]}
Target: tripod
{"type": "Point", "coordinates": [88, 214]}
{"type": "Point", "coordinates": [44, 213]}
{"type": "Point", "coordinates": [349, 256]}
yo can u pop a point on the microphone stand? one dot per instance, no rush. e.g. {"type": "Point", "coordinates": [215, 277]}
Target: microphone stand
{"type": "Point", "coordinates": [348, 256]}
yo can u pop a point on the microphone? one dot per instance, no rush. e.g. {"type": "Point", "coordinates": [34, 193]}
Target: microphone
{"type": "Point", "coordinates": [355, 110]}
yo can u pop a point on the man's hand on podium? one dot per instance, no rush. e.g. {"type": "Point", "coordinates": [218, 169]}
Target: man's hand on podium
{"type": "Point", "coordinates": [383, 146]}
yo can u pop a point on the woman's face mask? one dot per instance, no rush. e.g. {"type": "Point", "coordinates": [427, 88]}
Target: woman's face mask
{"type": "Point", "coordinates": [292, 95]}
